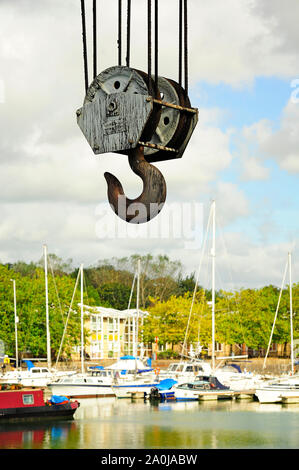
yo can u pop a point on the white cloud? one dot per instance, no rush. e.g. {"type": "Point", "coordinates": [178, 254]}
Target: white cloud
{"type": "Point", "coordinates": [281, 144]}
{"type": "Point", "coordinates": [50, 180]}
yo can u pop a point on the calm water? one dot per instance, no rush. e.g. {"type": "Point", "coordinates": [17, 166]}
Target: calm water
{"type": "Point", "coordinates": [110, 423]}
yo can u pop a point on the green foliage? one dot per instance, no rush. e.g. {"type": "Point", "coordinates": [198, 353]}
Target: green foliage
{"type": "Point", "coordinates": [168, 354]}
{"type": "Point", "coordinates": [245, 316]}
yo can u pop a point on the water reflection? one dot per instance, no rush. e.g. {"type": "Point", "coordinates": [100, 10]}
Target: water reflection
{"type": "Point", "coordinates": [36, 435]}
{"type": "Point", "coordinates": [108, 423]}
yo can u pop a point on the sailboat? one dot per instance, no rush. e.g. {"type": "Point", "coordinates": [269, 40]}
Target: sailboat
{"type": "Point", "coordinates": [283, 389]}
{"type": "Point", "coordinates": [100, 382]}
{"type": "Point", "coordinates": [34, 376]}
{"type": "Point", "coordinates": [233, 378]}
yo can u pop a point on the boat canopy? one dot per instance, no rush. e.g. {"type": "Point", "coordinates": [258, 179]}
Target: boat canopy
{"type": "Point", "coordinates": [166, 384]}
{"type": "Point", "coordinates": [129, 363]}
{"type": "Point", "coordinates": [29, 364]}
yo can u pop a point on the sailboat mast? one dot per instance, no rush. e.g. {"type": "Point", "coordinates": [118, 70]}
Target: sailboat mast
{"type": "Point", "coordinates": [16, 320]}
{"type": "Point", "coordinates": [291, 314]}
{"type": "Point", "coordinates": [137, 303]}
{"type": "Point", "coordinates": [82, 322]}
{"type": "Point", "coordinates": [47, 308]}
{"type": "Point", "coordinates": [213, 254]}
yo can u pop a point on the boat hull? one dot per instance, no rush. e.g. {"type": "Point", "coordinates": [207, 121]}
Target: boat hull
{"type": "Point", "coordinates": [63, 411]}
{"type": "Point", "coordinates": [81, 391]}
{"type": "Point", "coordinates": [275, 395]}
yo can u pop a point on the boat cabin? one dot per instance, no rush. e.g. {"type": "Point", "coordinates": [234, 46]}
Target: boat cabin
{"type": "Point", "coordinates": [185, 368]}
{"type": "Point", "coordinates": [21, 398]}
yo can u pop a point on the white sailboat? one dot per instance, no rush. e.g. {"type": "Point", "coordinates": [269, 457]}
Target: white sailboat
{"type": "Point", "coordinates": [283, 388]}
{"type": "Point", "coordinates": [34, 376]}
{"type": "Point", "coordinates": [231, 377]}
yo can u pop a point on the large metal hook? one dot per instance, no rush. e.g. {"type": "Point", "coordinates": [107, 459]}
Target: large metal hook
{"type": "Point", "coordinates": [152, 198]}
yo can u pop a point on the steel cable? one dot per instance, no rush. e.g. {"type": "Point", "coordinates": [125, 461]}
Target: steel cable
{"type": "Point", "coordinates": [84, 44]}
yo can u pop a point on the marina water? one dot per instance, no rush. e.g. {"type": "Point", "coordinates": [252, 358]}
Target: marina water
{"type": "Point", "coordinates": [111, 423]}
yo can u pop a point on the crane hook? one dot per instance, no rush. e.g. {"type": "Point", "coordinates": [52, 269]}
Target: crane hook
{"type": "Point", "coordinates": [151, 200]}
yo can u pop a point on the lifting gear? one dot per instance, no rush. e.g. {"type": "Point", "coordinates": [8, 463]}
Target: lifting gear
{"type": "Point", "coordinates": [142, 115]}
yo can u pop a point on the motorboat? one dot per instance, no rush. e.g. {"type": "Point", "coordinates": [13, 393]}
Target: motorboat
{"type": "Point", "coordinates": [102, 381]}
{"type": "Point", "coordinates": [182, 370]}
{"type": "Point", "coordinates": [188, 390]}
{"type": "Point", "coordinates": [96, 384]}
{"type": "Point", "coordinates": [277, 390]}
{"type": "Point", "coordinates": [232, 376]}
{"type": "Point", "coordinates": [33, 376]}
{"type": "Point", "coordinates": [139, 386]}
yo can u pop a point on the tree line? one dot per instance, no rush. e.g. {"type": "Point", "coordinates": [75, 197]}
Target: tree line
{"type": "Point", "coordinates": [243, 316]}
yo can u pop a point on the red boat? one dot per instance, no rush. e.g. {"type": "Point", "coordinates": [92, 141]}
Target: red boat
{"type": "Point", "coordinates": [29, 404]}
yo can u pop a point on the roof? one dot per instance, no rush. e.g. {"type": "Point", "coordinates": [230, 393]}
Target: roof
{"type": "Point", "coordinates": [113, 312]}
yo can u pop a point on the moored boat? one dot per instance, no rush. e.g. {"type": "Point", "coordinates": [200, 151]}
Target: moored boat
{"type": "Point", "coordinates": [29, 404]}
{"type": "Point", "coordinates": [275, 391]}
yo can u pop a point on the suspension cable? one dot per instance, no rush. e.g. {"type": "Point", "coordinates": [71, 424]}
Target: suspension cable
{"type": "Point", "coordinates": [180, 39]}
{"type": "Point", "coordinates": [94, 11]}
{"type": "Point", "coordinates": [128, 32]}
{"type": "Point", "coordinates": [84, 44]}
{"type": "Point", "coordinates": [186, 44]}
{"type": "Point", "coordinates": [119, 31]}
{"type": "Point", "coordinates": [156, 43]}
{"type": "Point", "coordinates": [149, 44]}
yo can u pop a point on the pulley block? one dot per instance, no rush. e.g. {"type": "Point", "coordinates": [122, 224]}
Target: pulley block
{"type": "Point", "coordinates": [118, 111]}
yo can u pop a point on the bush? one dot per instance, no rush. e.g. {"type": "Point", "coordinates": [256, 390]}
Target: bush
{"type": "Point", "coordinates": [168, 354]}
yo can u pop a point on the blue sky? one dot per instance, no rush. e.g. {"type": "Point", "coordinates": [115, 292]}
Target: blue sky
{"type": "Point", "coordinates": [277, 195]}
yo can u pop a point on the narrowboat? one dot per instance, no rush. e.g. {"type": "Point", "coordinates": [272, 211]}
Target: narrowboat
{"type": "Point", "coordinates": [29, 404]}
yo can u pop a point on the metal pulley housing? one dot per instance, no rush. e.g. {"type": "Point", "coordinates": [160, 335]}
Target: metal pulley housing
{"type": "Point", "coordinates": [176, 124]}
{"type": "Point", "coordinates": [118, 110]}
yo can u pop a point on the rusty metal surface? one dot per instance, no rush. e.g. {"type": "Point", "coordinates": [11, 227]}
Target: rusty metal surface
{"type": "Point", "coordinates": [150, 202]}
{"type": "Point", "coordinates": [188, 118]}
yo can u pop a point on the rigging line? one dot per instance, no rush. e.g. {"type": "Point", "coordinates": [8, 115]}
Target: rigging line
{"type": "Point", "coordinates": [231, 278]}
{"type": "Point", "coordinates": [128, 33]}
{"type": "Point", "coordinates": [119, 31]}
{"type": "Point", "coordinates": [84, 44]}
{"type": "Point", "coordinates": [180, 39]}
{"type": "Point", "coordinates": [197, 277]}
{"type": "Point", "coordinates": [56, 290]}
{"type": "Point", "coordinates": [149, 45]}
{"type": "Point", "coordinates": [68, 315]}
{"type": "Point", "coordinates": [94, 11]}
{"type": "Point", "coordinates": [156, 42]}
{"type": "Point", "coordinates": [276, 313]}
{"type": "Point", "coordinates": [186, 44]}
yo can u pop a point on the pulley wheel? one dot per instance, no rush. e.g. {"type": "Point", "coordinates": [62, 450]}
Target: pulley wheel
{"type": "Point", "coordinates": [173, 125]}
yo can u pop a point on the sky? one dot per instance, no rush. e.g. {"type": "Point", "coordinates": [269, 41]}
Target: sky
{"type": "Point", "coordinates": [244, 151]}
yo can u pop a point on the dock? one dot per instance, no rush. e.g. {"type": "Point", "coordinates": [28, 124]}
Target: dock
{"type": "Point", "coordinates": [290, 399]}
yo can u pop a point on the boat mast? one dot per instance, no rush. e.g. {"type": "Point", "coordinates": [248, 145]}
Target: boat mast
{"type": "Point", "coordinates": [82, 322]}
{"type": "Point", "coordinates": [16, 321]}
{"type": "Point", "coordinates": [213, 254]}
{"type": "Point", "coordinates": [276, 312]}
{"type": "Point", "coordinates": [291, 314]}
{"type": "Point", "coordinates": [137, 303]}
{"type": "Point", "coordinates": [47, 308]}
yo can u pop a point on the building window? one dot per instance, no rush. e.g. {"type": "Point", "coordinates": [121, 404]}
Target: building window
{"type": "Point", "coordinates": [218, 347]}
